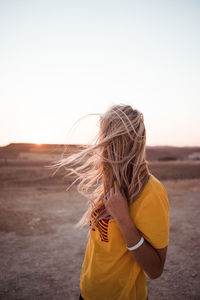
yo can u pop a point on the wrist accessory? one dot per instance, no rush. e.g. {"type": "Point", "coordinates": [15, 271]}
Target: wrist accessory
{"type": "Point", "coordinates": [137, 245]}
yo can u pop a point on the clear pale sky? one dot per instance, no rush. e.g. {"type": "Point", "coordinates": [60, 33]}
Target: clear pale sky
{"type": "Point", "coordinates": [61, 60]}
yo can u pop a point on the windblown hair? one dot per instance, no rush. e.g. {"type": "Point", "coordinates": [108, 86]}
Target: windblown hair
{"type": "Point", "coordinates": [117, 154]}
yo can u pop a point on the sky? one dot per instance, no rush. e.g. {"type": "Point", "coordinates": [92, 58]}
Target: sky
{"type": "Point", "coordinates": [62, 60]}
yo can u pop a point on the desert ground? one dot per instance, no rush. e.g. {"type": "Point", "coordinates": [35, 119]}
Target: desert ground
{"type": "Point", "coordinates": [41, 251]}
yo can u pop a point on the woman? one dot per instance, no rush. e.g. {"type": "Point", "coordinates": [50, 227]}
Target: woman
{"type": "Point", "coordinates": [128, 210]}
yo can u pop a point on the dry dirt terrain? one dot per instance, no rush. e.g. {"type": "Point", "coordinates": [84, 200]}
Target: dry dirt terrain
{"type": "Point", "coordinates": [41, 252]}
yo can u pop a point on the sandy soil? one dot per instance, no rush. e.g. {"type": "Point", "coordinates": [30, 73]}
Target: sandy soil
{"type": "Point", "coordinates": [42, 252]}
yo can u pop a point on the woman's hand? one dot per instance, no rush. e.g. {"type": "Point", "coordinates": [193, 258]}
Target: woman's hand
{"type": "Point", "coordinates": [116, 204]}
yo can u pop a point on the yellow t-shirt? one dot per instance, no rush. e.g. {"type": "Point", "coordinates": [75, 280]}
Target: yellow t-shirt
{"type": "Point", "coordinates": [109, 271]}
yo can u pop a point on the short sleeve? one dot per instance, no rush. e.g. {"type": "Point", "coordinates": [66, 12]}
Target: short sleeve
{"type": "Point", "coordinates": [152, 217]}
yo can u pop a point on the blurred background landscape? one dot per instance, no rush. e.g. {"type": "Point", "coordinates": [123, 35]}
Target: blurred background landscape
{"type": "Point", "coordinates": [42, 252]}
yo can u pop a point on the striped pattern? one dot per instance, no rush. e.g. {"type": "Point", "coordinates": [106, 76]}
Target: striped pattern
{"type": "Point", "coordinates": [102, 227]}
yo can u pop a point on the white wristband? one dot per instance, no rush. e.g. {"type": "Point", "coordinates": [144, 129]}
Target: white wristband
{"type": "Point", "coordinates": [137, 245]}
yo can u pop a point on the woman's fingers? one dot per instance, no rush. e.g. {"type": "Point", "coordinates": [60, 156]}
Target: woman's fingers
{"type": "Point", "coordinates": [116, 186]}
{"type": "Point", "coordinates": [105, 197]}
{"type": "Point", "coordinates": [112, 191]}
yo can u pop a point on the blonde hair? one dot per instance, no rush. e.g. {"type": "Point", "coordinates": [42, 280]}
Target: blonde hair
{"type": "Point", "coordinates": [117, 154]}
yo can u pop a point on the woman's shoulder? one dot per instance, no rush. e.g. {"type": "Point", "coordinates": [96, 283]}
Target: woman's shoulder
{"type": "Point", "coordinates": [153, 192]}
{"type": "Point", "coordinates": [153, 186]}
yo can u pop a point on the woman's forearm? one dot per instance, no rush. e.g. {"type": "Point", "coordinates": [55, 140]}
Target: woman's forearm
{"type": "Point", "coordinates": [146, 256]}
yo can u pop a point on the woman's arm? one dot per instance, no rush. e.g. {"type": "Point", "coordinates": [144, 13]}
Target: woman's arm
{"type": "Point", "coordinates": [150, 259]}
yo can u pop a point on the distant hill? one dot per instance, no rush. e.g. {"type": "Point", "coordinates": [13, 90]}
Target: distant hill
{"type": "Point", "coordinates": [14, 149]}
{"type": "Point", "coordinates": [158, 153]}
{"type": "Point", "coordinates": [165, 153]}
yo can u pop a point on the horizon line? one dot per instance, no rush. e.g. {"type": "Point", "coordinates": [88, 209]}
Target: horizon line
{"type": "Point", "coordinates": [80, 144]}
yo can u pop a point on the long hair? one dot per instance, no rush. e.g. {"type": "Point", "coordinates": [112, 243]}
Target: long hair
{"type": "Point", "coordinates": [118, 154]}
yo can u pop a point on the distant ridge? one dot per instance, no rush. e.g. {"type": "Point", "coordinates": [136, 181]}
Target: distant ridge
{"type": "Point", "coordinates": [14, 149]}
{"type": "Point", "coordinates": [169, 152]}
{"type": "Point", "coordinates": [161, 153]}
